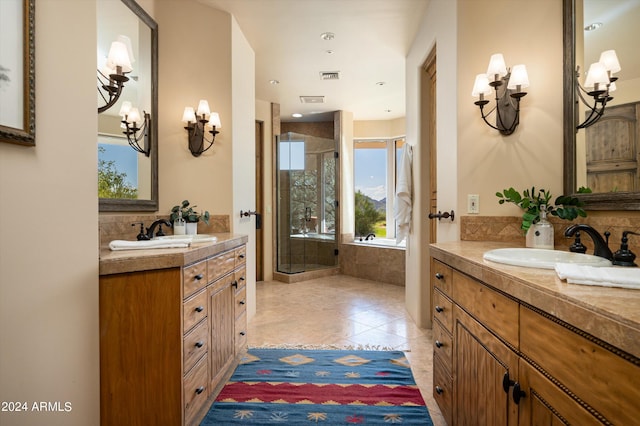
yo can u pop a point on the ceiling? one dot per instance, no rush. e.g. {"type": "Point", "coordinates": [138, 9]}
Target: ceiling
{"type": "Point", "coordinates": [372, 39]}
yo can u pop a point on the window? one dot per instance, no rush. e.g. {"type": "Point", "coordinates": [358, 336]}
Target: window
{"type": "Point", "coordinates": [375, 170]}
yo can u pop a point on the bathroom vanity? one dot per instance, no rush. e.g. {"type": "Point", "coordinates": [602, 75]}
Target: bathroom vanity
{"type": "Point", "coordinates": [518, 346]}
{"type": "Point", "coordinates": [172, 324]}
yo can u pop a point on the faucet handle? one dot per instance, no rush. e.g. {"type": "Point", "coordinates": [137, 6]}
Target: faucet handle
{"type": "Point", "coordinates": [141, 236]}
{"type": "Point", "coordinates": [624, 256]}
{"type": "Point", "coordinates": [577, 246]}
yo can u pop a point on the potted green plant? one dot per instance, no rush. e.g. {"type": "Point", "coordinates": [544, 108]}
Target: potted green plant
{"type": "Point", "coordinates": [564, 206]}
{"type": "Point", "coordinates": [190, 216]}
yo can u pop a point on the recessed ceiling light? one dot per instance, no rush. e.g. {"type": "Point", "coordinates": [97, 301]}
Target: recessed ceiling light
{"type": "Point", "coordinates": [327, 36]}
{"type": "Point", "coordinates": [274, 82]}
{"type": "Point", "coordinates": [593, 27]}
{"type": "Point", "coordinates": [296, 115]}
{"type": "Point", "coordinates": [387, 110]}
{"type": "Point", "coordinates": [381, 83]}
{"type": "Point", "coordinates": [329, 52]}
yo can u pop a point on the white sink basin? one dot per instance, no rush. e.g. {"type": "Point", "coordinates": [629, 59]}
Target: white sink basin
{"type": "Point", "coordinates": [541, 258]}
{"type": "Point", "coordinates": [198, 238]}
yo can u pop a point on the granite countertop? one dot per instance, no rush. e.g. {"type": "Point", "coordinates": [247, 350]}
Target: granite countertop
{"type": "Point", "coordinates": [120, 261]}
{"type": "Point", "coordinates": [610, 314]}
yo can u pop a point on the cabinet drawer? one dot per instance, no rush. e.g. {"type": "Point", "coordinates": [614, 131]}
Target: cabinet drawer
{"type": "Point", "coordinates": [441, 277]}
{"type": "Point", "coordinates": [599, 377]}
{"type": "Point", "coordinates": [443, 310]}
{"type": "Point", "coordinates": [196, 390]}
{"type": "Point", "coordinates": [240, 306]}
{"type": "Point", "coordinates": [195, 345]}
{"type": "Point", "coordinates": [194, 278]}
{"type": "Point", "coordinates": [220, 265]}
{"type": "Point", "coordinates": [443, 390]}
{"type": "Point", "coordinates": [241, 332]}
{"type": "Point", "coordinates": [195, 309]}
{"type": "Point", "coordinates": [442, 345]}
{"type": "Point", "coordinates": [495, 311]}
{"type": "Point", "coordinates": [240, 256]}
{"type": "Point", "coordinates": [240, 277]}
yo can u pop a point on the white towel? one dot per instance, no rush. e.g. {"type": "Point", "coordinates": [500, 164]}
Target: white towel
{"type": "Point", "coordinates": [601, 276]}
{"type": "Point", "coordinates": [149, 244]}
{"type": "Point", "coordinates": [402, 207]}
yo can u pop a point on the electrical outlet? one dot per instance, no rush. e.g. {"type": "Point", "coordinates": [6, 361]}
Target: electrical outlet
{"type": "Point", "coordinates": [473, 203]}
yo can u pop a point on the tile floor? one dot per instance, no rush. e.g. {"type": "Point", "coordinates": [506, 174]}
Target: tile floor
{"type": "Point", "coordinates": [344, 311]}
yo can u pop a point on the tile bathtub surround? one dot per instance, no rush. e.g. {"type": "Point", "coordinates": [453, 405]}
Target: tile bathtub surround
{"type": "Point", "coordinates": [381, 264]}
{"type": "Point", "coordinates": [507, 229]}
{"type": "Point", "coordinates": [341, 311]}
{"type": "Point", "coordinates": [118, 227]}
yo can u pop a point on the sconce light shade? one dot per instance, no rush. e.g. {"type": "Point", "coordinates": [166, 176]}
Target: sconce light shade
{"type": "Point", "coordinates": [519, 78]}
{"type": "Point", "coordinates": [598, 85]}
{"type": "Point", "coordinates": [497, 68]}
{"type": "Point", "coordinates": [130, 120]}
{"type": "Point", "coordinates": [196, 122]}
{"type": "Point", "coordinates": [508, 87]}
{"type": "Point", "coordinates": [111, 77]}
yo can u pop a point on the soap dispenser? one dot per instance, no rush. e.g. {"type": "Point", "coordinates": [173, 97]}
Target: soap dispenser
{"type": "Point", "coordinates": [543, 231]}
{"type": "Point", "coordinates": [179, 224]}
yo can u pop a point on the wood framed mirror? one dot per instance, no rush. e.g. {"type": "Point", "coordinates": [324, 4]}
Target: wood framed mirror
{"type": "Point", "coordinates": [131, 178]}
{"type": "Point", "coordinates": [618, 193]}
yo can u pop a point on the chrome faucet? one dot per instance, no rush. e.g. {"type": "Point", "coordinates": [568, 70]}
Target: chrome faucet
{"type": "Point", "coordinates": [601, 247]}
{"type": "Point", "coordinates": [152, 228]}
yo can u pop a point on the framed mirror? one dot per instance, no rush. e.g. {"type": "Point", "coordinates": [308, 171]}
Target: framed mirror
{"type": "Point", "coordinates": [619, 31]}
{"type": "Point", "coordinates": [128, 180]}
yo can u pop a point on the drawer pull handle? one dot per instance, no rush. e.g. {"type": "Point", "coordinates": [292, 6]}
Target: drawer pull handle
{"type": "Point", "coordinates": [241, 256]}
{"type": "Point", "coordinates": [439, 309]}
{"type": "Point", "coordinates": [199, 344]}
{"type": "Point", "coordinates": [242, 333]}
{"type": "Point", "coordinates": [242, 302]}
{"type": "Point", "coordinates": [235, 284]}
{"type": "Point", "coordinates": [439, 390]}
{"type": "Point", "coordinates": [507, 382]}
{"type": "Point", "coordinates": [199, 309]}
{"type": "Point", "coordinates": [439, 344]}
{"type": "Point", "coordinates": [241, 278]}
{"type": "Point", "coordinates": [200, 390]}
{"type": "Point", "coordinates": [439, 276]}
{"type": "Point", "coordinates": [517, 393]}
{"type": "Point", "coordinates": [198, 277]}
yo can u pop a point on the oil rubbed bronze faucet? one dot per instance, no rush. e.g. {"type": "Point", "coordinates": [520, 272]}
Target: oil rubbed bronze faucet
{"type": "Point", "coordinates": [601, 247]}
{"type": "Point", "coordinates": [152, 228]}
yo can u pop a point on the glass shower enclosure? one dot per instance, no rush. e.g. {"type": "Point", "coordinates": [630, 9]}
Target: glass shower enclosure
{"type": "Point", "coordinates": [306, 203]}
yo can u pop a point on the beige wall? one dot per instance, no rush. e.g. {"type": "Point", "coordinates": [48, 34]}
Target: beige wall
{"type": "Point", "coordinates": [48, 234]}
{"type": "Point", "coordinates": [370, 129]}
{"type": "Point", "coordinates": [263, 114]}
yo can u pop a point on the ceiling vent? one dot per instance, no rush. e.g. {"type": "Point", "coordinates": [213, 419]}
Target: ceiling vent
{"type": "Point", "coordinates": [329, 75]}
{"type": "Point", "coordinates": [312, 99]}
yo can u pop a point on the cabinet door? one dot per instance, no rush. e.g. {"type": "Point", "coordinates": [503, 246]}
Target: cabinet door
{"type": "Point", "coordinates": [544, 404]}
{"type": "Point", "coordinates": [221, 313]}
{"type": "Point", "coordinates": [482, 361]}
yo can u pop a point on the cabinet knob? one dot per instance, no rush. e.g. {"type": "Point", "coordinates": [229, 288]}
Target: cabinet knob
{"type": "Point", "coordinates": [199, 344]}
{"type": "Point", "coordinates": [439, 344]}
{"type": "Point", "coordinates": [507, 382]}
{"type": "Point", "coordinates": [439, 275]}
{"type": "Point", "coordinates": [241, 256]}
{"type": "Point", "coordinates": [439, 390]}
{"type": "Point", "coordinates": [235, 284]}
{"type": "Point", "coordinates": [439, 309]}
{"type": "Point", "coordinates": [199, 309]}
{"type": "Point", "coordinates": [198, 277]}
{"type": "Point", "coordinates": [200, 390]}
{"type": "Point", "coordinates": [517, 393]}
{"type": "Point", "coordinates": [242, 333]}
{"type": "Point", "coordinates": [242, 302]}
{"type": "Point", "coordinates": [241, 278]}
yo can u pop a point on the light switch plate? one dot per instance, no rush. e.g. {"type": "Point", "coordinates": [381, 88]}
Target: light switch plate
{"type": "Point", "coordinates": [473, 203]}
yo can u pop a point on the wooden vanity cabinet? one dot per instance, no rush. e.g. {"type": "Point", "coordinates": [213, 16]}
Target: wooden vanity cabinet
{"type": "Point", "coordinates": [167, 339]}
{"type": "Point", "coordinates": [509, 363]}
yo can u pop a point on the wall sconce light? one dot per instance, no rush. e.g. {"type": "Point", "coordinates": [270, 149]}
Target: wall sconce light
{"type": "Point", "coordinates": [197, 122]}
{"type": "Point", "coordinates": [508, 85]}
{"type": "Point", "coordinates": [130, 120]}
{"type": "Point", "coordinates": [598, 85]}
{"type": "Point", "coordinates": [111, 77]}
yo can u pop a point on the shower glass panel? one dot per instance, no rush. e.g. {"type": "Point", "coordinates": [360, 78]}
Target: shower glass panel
{"type": "Point", "coordinates": [306, 210]}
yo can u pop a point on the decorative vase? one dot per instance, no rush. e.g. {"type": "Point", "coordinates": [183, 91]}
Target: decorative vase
{"type": "Point", "coordinates": [192, 228]}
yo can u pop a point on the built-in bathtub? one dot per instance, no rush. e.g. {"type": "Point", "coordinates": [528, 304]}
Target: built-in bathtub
{"type": "Point", "coordinates": [379, 259]}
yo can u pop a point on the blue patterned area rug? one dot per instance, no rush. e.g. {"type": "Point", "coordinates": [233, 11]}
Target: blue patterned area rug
{"type": "Point", "coordinates": [328, 387]}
